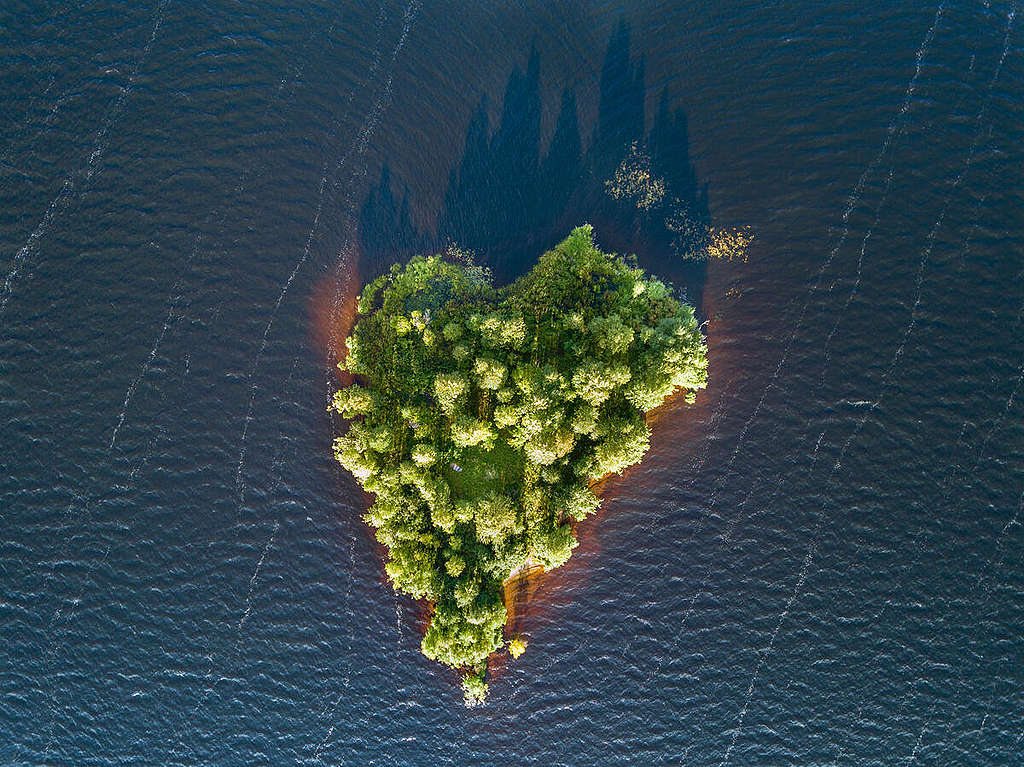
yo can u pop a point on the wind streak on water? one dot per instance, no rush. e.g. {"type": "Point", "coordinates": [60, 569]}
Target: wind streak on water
{"type": "Point", "coordinates": [356, 151]}
{"type": "Point", "coordinates": [172, 306]}
{"type": "Point", "coordinates": [239, 188]}
{"type": "Point", "coordinates": [851, 204]}
{"type": "Point", "coordinates": [256, 574]}
{"type": "Point", "coordinates": [894, 362]}
{"type": "Point", "coordinates": [930, 243]}
{"type": "Point", "coordinates": [767, 651]}
{"type": "Point", "coordinates": [895, 125]}
{"type": "Point", "coordinates": [408, 17]}
{"type": "Point", "coordinates": [84, 173]}
{"type": "Point", "coordinates": [254, 367]}
{"type": "Point", "coordinates": [991, 565]}
{"type": "Point", "coordinates": [890, 135]}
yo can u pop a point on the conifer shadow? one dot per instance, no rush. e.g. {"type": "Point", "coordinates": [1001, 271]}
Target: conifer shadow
{"type": "Point", "coordinates": [507, 201]}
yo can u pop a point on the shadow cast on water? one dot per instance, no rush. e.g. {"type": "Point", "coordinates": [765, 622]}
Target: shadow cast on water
{"type": "Point", "coordinates": [508, 201]}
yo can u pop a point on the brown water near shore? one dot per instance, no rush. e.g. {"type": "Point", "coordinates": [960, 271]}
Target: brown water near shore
{"type": "Point", "coordinates": [518, 590]}
{"type": "Point", "coordinates": [332, 309]}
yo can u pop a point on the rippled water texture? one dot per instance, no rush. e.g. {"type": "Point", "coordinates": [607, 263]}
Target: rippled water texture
{"type": "Point", "coordinates": [818, 563]}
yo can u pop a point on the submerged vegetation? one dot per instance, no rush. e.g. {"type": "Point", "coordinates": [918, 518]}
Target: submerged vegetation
{"type": "Point", "coordinates": [633, 180]}
{"type": "Point", "coordinates": [692, 235]}
{"type": "Point", "coordinates": [481, 416]}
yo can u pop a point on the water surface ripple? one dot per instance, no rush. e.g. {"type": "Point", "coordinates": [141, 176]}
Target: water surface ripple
{"type": "Point", "coordinates": [818, 563]}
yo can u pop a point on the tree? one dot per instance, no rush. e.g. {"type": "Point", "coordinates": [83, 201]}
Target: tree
{"type": "Point", "coordinates": [624, 442]}
{"type": "Point", "coordinates": [495, 518]}
{"type": "Point", "coordinates": [577, 501]}
{"type": "Point", "coordinates": [450, 389]}
{"type": "Point", "coordinates": [553, 545]}
{"type": "Point", "coordinates": [611, 336]}
{"type": "Point", "coordinates": [353, 401]}
{"type": "Point", "coordinates": [490, 374]}
{"type": "Point", "coordinates": [474, 689]}
{"type": "Point", "coordinates": [411, 569]}
{"type": "Point", "coordinates": [469, 432]}
{"type": "Point", "coordinates": [424, 454]}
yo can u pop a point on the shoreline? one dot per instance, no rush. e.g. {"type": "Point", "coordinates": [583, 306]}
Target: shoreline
{"type": "Point", "coordinates": [517, 590]}
{"type": "Point", "coordinates": [523, 569]}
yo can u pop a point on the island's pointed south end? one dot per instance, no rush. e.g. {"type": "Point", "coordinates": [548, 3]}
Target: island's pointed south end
{"type": "Point", "coordinates": [480, 418]}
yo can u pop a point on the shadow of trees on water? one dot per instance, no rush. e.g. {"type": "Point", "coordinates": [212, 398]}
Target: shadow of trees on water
{"type": "Point", "coordinates": [508, 203]}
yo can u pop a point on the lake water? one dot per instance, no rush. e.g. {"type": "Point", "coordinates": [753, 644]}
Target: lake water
{"type": "Point", "coordinates": [819, 563]}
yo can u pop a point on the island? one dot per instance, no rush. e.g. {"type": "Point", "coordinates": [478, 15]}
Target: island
{"type": "Point", "coordinates": [479, 418]}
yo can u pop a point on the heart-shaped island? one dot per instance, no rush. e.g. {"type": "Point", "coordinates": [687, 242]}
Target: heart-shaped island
{"type": "Point", "coordinates": [481, 417]}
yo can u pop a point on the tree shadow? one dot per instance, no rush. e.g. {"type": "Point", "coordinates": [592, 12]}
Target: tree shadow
{"type": "Point", "coordinates": [507, 202]}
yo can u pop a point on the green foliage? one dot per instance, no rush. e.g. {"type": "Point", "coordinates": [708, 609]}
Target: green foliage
{"type": "Point", "coordinates": [352, 401]}
{"type": "Point", "coordinates": [577, 501]}
{"type": "Point", "coordinates": [495, 519]}
{"type": "Point", "coordinates": [424, 454]}
{"type": "Point", "coordinates": [467, 431]}
{"type": "Point", "coordinates": [483, 416]}
{"type": "Point", "coordinates": [553, 545]}
{"type": "Point", "coordinates": [490, 374]}
{"type": "Point", "coordinates": [450, 389]}
{"type": "Point", "coordinates": [474, 689]}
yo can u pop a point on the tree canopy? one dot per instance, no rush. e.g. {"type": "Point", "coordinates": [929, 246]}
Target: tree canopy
{"type": "Point", "coordinates": [480, 417]}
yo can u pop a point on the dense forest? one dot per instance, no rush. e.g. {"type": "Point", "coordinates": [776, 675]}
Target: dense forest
{"type": "Point", "coordinates": [480, 417]}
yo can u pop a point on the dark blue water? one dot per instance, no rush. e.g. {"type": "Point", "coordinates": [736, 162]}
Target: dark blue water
{"type": "Point", "coordinates": [820, 563]}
